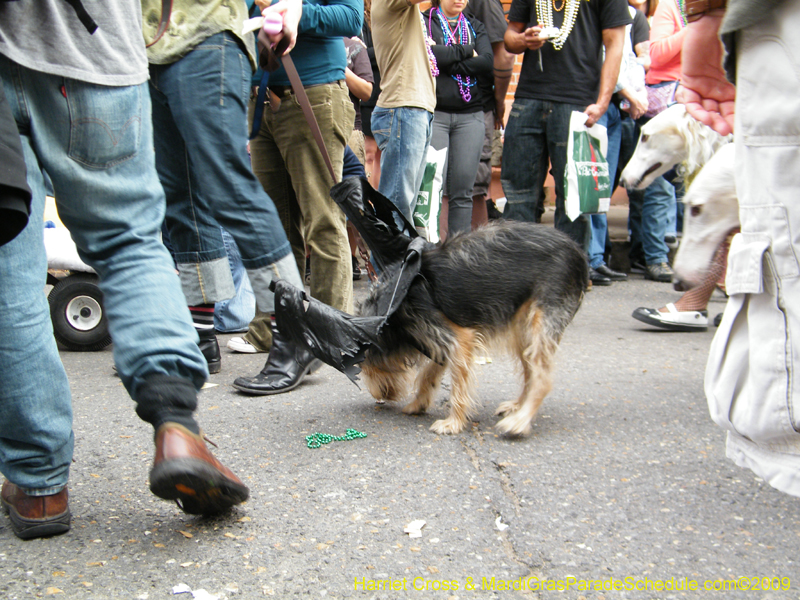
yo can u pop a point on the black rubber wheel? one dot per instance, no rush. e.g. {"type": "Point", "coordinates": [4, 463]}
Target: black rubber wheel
{"type": "Point", "coordinates": [76, 309]}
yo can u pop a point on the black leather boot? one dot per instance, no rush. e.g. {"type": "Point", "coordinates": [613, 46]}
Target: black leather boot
{"type": "Point", "coordinates": [210, 349]}
{"type": "Point", "coordinates": [286, 367]}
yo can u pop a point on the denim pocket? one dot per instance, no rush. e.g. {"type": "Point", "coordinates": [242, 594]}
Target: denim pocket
{"type": "Point", "coordinates": [381, 125]}
{"type": "Point", "coordinates": [105, 123]}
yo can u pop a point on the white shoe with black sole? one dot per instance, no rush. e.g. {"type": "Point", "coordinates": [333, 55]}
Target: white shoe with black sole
{"type": "Point", "coordinates": [674, 319]}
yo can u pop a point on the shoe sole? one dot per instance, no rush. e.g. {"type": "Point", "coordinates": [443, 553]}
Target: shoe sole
{"type": "Point", "coordinates": [668, 326]}
{"type": "Point", "coordinates": [312, 366]}
{"type": "Point", "coordinates": [602, 283]}
{"type": "Point", "coordinates": [28, 529]}
{"type": "Point", "coordinates": [197, 487]}
{"type": "Point", "coordinates": [214, 367]}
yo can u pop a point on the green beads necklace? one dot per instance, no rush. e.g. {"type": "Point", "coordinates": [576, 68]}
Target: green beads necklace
{"type": "Point", "coordinates": [316, 440]}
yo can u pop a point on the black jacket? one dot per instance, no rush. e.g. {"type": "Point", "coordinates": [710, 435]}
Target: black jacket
{"type": "Point", "coordinates": [458, 59]}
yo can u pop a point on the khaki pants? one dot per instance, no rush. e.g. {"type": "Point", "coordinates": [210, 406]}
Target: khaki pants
{"type": "Point", "coordinates": [289, 164]}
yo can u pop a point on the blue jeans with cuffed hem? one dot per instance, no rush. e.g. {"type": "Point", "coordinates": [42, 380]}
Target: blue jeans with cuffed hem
{"type": "Point", "coordinates": [234, 315]}
{"type": "Point", "coordinates": [597, 247]}
{"type": "Point", "coordinates": [403, 136]}
{"type": "Point", "coordinates": [96, 144]}
{"type": "Point", "coordinates": [536, 134]}
{"type": "Point", "coordinates": [200, 117]}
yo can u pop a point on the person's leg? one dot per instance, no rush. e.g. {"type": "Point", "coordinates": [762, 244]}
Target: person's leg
{"type": "Point", "coordinates": [525, 161]}
{"type": "Point", "coordinates": [109, 197]}
{"type": "Point", "coordinates": [466, 142]}
{"type": "Point", "coordinates": [208, 91]}
{"type": "Point", "coordinates": [483, 178]}
{"type": "Point", "coordinates": [36, 440]}
{"type": "Point", "coordinates": [658, 197]}
{"type": "Point", "coordinates": [403, 136]}
{"type": "Point", "coordinates": [557, 124]}
{"type": "Point", "coordinates": [233, 315]}
{"type": "Point", "coordinates": [324, 228]}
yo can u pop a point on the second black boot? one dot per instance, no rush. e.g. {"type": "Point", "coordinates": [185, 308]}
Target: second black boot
{"type": "Point", "coordinates": [210, 349]}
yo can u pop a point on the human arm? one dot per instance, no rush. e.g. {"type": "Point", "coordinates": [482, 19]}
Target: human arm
{"type": "Point", "coordinates": [503, 67]}
{"type": "Point", "coordinates": [360, 88]}
{"type": "Point", "coordinates": [613, 40]}
{"type": "Point", "coordinates": [643, 53]}
{"type": "Point", "coordinates": [335, 18]}
{"type": "Point", "coordinates": [666, 35]}
{"type": "Point", "coordinates": [519, 37]}
{"type": "Point", "coordinates": [482, 59]}
{"type": "Point", "coordinates": [708, 95]}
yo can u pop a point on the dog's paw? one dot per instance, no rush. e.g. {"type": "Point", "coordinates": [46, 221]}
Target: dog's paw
{"type": "Point", "coordinates": [415, 407]}
{"type": "Point", "coordinates": [514, 425]}
{"type": "Point", "coordinates": [447, 426]}
{"type": "Point", "coordinates": [506, 408]}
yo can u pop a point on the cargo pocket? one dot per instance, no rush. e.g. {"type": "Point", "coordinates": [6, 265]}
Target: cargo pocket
{"type": "Point", "coordinates": [105, 123]}
{"type": "Point", "coordinates": [749, 366]}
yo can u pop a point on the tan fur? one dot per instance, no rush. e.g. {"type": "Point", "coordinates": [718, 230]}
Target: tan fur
{"type": "Point", "coordinates": [525, 337]}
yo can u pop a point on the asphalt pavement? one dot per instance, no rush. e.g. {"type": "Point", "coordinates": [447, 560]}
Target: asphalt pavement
{"type": "Point", "coordinates": [622, 490]}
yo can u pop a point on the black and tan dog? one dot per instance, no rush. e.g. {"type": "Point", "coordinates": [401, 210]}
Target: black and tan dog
{"type": "Point", "coordinates": [506, 286]}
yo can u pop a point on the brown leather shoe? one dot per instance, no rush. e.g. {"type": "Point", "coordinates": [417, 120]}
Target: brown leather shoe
{"type": "Point", "coordinates": [184, 470]}
{"type": "Point", "coordinates": [36, 516]}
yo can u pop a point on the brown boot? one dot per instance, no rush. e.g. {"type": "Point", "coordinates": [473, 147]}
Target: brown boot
{"type": "Point", "coordinates": [184, 470]}
{"type": "Point", "coordinates": [36, 516]}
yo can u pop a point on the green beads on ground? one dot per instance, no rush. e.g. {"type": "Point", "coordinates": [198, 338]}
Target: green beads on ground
{"type": "Point", "coordinates": [315, 440]}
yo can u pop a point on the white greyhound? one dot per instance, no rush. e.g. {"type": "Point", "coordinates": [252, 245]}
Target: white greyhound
{"type": "Point", "coordinates": [672, 137]}
{"type": "Point", "coordinates": [711, 213]}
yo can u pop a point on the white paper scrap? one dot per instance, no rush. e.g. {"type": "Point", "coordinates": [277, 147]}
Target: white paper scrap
{"type": "Point", "coordinates": [414, 529]}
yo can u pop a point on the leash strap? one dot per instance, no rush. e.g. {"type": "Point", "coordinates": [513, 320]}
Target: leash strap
{"type": "Point", "coordinates": [302, 98]}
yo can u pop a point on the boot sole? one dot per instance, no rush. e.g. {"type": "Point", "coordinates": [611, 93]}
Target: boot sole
{"type": "Point", "coordinates": [28, 529]}
{"type": "Point", "coordinates": [312, 367]}
{"type": "Point", "coordinates": [198, 487]}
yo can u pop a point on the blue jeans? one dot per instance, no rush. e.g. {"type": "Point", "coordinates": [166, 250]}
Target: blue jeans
{"type": "Point", "coordinates": [536, 134]}
{"type": "Point", "coordinates": [403, 136]}
{"type": "Point", "coordinates": [200, 117]}
{"type": "Point", "coordinates": [235, 314]}
{"type": "Point", "coordinates": [462, 134]}
{"type": "Point", "coordinates": [96, 144]}
{"type": "Point", "coordinates": [659, 200]}
{"type": "Point", "coordinates": [613, 124]}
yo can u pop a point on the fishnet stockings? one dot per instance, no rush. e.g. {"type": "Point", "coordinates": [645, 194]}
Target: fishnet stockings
{"type": "Point", "coordinates": [697, 298]}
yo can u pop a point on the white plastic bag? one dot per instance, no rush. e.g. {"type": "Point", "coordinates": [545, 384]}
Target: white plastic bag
{"type": "Point", "coordinates": [587, 186]}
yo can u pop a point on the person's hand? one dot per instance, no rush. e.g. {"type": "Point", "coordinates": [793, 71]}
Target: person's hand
{"type": "Point", "coordinates": [531, 37]}
{"type": "Point", "coordinates": [593, 113]}
{"type": "Point", "coordinates": [500, 112]}
{"type": "Point", "coordinates": [290, 11]}
{"type": "Point", "coordinates": [704, 90]}
{"type": "Point", "coordinates": [262, 4]}
{"type": "Point", "coordinates": [638, 103]}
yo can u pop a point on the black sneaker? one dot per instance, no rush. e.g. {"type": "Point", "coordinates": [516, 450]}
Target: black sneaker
{"type": "Point", "coordinates": [659, 272]}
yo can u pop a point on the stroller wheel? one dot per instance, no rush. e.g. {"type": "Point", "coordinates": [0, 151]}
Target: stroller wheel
{"type": "Point", "coordinates": [76, 310]}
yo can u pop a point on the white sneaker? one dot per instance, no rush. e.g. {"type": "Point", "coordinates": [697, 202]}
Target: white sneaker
{"type": "Point", "coordinates": [238, 344]}
{"type": "Point", "coordinates": [674, 320]}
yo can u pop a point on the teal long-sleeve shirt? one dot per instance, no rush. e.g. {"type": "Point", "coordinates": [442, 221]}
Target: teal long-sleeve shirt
{"type": "Point", "coordinates": [319, 54]}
